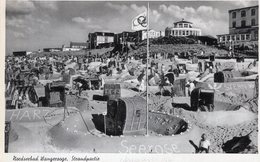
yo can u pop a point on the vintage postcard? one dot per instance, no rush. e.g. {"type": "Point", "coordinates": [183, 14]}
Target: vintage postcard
{"type": "Point", "coordinates": [163, 79]}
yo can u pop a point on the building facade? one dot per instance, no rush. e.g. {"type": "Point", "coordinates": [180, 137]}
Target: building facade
{"type": "Point", "coordinates": [243, 26]}
{"type": "Point", "coordinates": [142, 34]}
{"type": "Point", "coordinates": [181, 29]}
{"type": "Point", "coordinates": [79, 45]}
{"type": "Point", "coordinates": [70, 49]}
{"type": "Point", "coordinates": [52, 49]}
{"type": "Point", "coordinates": [135, 37]}
{"type": "Point", "coordinates": [125, 36]}
{"type": "Point", "coordinates": [19, 53]}
{"type": "Point", "coordinates": [100, 38]}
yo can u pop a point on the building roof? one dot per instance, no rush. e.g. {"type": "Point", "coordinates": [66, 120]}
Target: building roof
{"type": "Point", "coordinates": [78, 43]}
{"type": "Point", "coordinates": [104, 34]}
{"type": "Point", "coordinates": [127, 32]}
{"type": "Point", "coordinates": [19, 53]}
{"type": "Point", "coordinates": [182, 21]}
{"type": "Point", "coordinates": [53, 48]}
{"type": "Point", "coordinates": [242, 8]}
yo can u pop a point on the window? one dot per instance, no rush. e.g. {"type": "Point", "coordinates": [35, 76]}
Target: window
{"type": "Point", "coordinates": [247, 37]}
{"type": "Point", "coordinates": [138, 113]}
{"type": "Point", "coordinates": [228, 37]}
{"type": "Point", "coordinates": [256, 35]}
{"type": "Point", "coordinates": [224, 38]}
{"type": "Point", "coordinates": [243, 23]}
{"type": "Point", "coordinates": [232, 37]}
{"type": "Point", "coordinates": [234, 15]}
{"type": "Point", "coordinates": [185, 25]}
{"type": "Point", "coordinates": [242, 37]}
{"type": "Point", "coordinates": [233, 24]}
{"type": "Point", "coordinates": [183, 33]}
{"type": "Point", "coordinates": [252, 12]}
{"type": "Point", "coordinates": [253, 22]}
{"type": "Point", "coordinates": [243, 13]}
{"type": "Point", "coordinates": [237, 37]}
{"type": "Point", "coordinates": [187, 32]}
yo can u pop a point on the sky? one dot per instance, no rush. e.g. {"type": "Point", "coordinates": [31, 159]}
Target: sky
{"type": "Point", "coordinates": [33, 25]}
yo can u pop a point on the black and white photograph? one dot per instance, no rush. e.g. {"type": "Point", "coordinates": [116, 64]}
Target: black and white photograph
{"type": "Point", "coordinates": [146, 77]}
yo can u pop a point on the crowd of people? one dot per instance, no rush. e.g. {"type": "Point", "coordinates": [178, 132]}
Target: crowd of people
{"type": "Point", "coordinates": [28, 71]}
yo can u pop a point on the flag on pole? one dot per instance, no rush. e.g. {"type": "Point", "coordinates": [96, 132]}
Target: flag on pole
{"type": "Point", "coordinates": [140, 22]}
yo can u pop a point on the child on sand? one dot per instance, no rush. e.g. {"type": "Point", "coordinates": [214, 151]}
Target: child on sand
{"type": "Point", "coordinates": [204, 144]}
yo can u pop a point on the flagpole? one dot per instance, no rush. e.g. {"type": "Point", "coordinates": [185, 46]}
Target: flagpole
{"type": "Point", "coordinates": [147, 60]}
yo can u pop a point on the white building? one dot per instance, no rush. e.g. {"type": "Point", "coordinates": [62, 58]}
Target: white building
{"type": "Point", "coordinates": [243, 27]}
{"type": "Point", "coordinates": [152, 34]}
{"type": "Point", "coordinates": [70, 49]}
{"type": "Point", "coordinates": [97, 38]}
{"type": "Point", "coordinates": [79, 45]}
{"type": "Point", "coordinates": [181, 29]}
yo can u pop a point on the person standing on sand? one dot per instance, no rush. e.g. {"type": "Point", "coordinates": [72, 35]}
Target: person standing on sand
{"type": "Point", "coordinates": [204, 144]}
{"type": "Point", "coordinates": [191, 86]}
